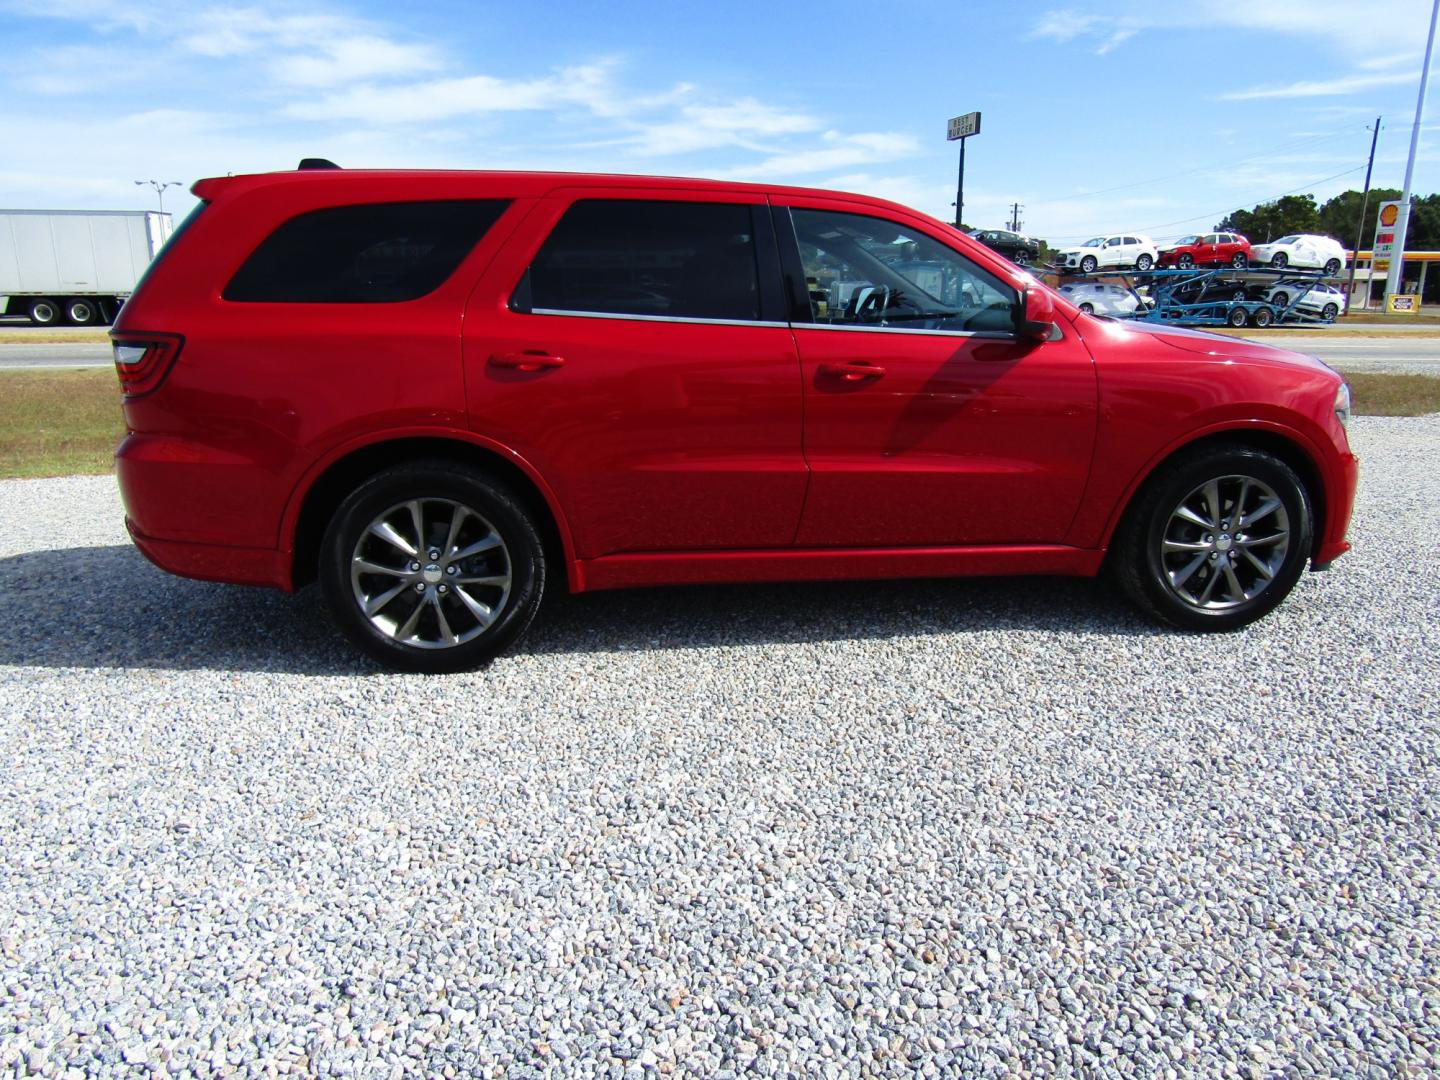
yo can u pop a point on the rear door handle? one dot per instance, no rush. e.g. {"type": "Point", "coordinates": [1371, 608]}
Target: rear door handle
{"type": "Point", "coordinates": [853, 370]}
{"type": "Point", "coordinates": [526, 361]}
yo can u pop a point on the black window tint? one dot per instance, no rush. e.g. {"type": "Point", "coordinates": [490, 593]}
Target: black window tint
{"type": "Point", "coordinates": [373, 254]}
{"type": "Point", "coordinates": [626, 257]}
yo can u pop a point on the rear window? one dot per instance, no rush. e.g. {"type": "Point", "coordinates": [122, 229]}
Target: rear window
{"type": "Point", "coordinates": [637, 257]}
{"type": "Point", "coordinates": [376, 253]}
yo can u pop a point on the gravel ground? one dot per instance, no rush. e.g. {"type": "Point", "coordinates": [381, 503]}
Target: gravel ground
{"type": "Point", "coordinates": [926, 828]}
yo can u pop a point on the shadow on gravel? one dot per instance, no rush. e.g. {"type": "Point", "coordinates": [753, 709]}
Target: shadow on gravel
{"type": "Point", "coordinates": [108, 607]}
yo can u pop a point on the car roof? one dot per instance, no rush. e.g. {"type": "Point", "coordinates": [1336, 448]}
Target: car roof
{"type": "Point", "coordinates": [503, 183]}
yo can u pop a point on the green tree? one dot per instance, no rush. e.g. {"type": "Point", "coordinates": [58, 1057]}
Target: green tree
{"type": "Point", "coordinates": [1270, 220]}
{"type": "Point", "coordinates": [1340, 215]}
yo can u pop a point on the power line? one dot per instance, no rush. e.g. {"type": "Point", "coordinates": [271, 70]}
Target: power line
{"type": "Point", "coordinates": [1231, 209]}
{"type": "Point", "coordinates": [1271, 152]}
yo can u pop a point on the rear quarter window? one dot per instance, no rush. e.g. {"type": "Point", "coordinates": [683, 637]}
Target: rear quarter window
{"type": "Point", "coordinates": [375, 253]}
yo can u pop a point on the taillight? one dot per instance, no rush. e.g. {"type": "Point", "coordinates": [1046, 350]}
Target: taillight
{"type": "Point", "coordinates": [143, 360]}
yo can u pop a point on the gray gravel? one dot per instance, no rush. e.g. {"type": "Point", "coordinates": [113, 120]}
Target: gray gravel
{"type": "Point", "coordinates": [924, 828]}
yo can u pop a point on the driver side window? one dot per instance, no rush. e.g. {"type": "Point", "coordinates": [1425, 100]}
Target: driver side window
{"type": "Point", "coordinates": [867, 271]}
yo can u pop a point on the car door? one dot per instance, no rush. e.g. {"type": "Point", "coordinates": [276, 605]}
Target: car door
{"type": "Point", "coordinates": [927, 420]}
{"type": "Point", "coordinates": [1113, 252]}
{"type": "Point", "coordinates": [1206, 248]}
{"type": "Point", "coordinates": [632, 346]}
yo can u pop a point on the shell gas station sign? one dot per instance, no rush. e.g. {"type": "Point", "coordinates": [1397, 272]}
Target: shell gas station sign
{"type": "Point", "coordinates": [1384, 246]}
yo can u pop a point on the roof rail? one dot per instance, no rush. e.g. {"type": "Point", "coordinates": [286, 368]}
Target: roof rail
{"type": "Point", "coordinates": [317, 163]}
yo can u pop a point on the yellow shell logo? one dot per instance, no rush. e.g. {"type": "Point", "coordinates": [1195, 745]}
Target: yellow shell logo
{"type": "Point", "coordinates": [1389, 215]}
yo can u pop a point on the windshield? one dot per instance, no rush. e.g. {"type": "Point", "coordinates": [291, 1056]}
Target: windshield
{"type": "Point", "coordinates": [1187, 240]}
{"type": "Point", "coordinates": [1096, 242]}
{"type": "Point", "coordinates": [1286, 240]}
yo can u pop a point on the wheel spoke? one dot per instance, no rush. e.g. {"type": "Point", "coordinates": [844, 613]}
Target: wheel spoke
{"type": "Point", "coordinates": [483, 613]}
{"type": "Point", "coordinates": [376, 603]}
{"type": "Point", "coordinates": [1260, 566]}
{"type": "Point", "coordinates": [417, 518]}
{"type": "Point", "coordinates": [456, 520]}
{"type": "Point", "coordinates": [1205, 593]}
{"type": "Point", "coordinates": [1180, 577]}
{"type": "Point", "coordinates": [408, 627]}
{"type": "Point", "coordinates": [385, 531]}
{"type": "Point", "coordinates": [445, 631]}
{"type": "Point", "coordinates": [1237, 591]}
{"type": "Point", "coordinates": [1212, 500]}
{"type": "Point", "coordinates": [488, 543]}
{"type": "Point", "coordinates": [1260, 541]}
{"type": "Point", "coordinates": [1265, 509]}
{"type": "Point", "coordinates": [1185, 545]}
{"type": "Point", "coordinates": [1240, 501]}
{"type": "Point", "coordinates": [365, 566]}
{"type": "Point", "coordinates": [492, 579]}
{"type": "Point", "coordinates": [1184, 513]}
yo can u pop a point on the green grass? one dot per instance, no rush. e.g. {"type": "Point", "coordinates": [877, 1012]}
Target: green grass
{"type": "Point", "coordinates": [57, 423]}
{"type": "Point", "coordinates": [61, 423]}
{"type": "Point", "coordinates": [1378, 394]}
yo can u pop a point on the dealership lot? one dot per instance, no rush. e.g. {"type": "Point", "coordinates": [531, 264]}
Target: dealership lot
{"type": "Point", "coordinates": [989, 826]}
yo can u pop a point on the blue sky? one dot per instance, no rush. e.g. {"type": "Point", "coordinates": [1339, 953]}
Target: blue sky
{"type": "Point", "coordinates": [1160, 121]}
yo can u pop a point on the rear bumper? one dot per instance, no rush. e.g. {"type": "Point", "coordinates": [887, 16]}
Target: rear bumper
{"type": "Point", "coordinates": [215, 562]}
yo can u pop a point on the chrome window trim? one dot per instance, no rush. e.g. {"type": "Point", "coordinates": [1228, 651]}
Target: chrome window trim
{"type": "Point", "coordinates": [655, 318]}
{"type": "Point", "coordinates": [996, 334]}
{"type": "Point", "coordinates": [1000, 335]}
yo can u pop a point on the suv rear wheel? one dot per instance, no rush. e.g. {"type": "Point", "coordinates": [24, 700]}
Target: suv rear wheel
{"type": "Point", "coordinates": [430, 568]}
{"type": "Point", "coordinates": [1216, 540]}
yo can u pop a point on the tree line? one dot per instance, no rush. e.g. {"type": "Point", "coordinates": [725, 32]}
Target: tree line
{"type": "Point", "coordinates": [1337, 217]}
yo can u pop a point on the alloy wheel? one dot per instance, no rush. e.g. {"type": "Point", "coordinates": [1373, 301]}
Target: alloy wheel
{"type": "Point", "coordinates": [1225, 543]}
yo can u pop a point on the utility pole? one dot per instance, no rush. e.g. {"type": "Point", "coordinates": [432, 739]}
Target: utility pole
{"type": "Point", "coordinates": [1392, 282]}
{"type": "Point", "coordinates": [160, 188]}
{"type": "Point", "coordinates": [1015, 209]}
{"type": "Point", "coordinates": [1360, 228]}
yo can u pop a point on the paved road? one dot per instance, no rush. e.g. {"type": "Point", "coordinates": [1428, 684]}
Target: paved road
{"type": "Point", "coordinates": [1420, 355]}
{"type": "Point", "coordinates": [59, 354]}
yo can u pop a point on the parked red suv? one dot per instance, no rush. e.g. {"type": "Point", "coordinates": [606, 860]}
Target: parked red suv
{"type": "Point", "coordinates": [1208, 249]}
{"type": "Point", "coordinates": [442, 393]}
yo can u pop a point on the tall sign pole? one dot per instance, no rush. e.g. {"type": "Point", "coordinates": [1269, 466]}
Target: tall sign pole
{"type": "Point", "coordinates": [962, 127]}
{"type": "Point", "coordinates": [1360, 230]}
{"type": "Point", "coordinates": [1392, 282]}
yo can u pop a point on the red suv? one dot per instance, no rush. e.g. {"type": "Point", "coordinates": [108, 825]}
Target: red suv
{"type": "Point", "coordinates": [1208, 249]}
{"type": "Point", "coordinates": [442, 393]}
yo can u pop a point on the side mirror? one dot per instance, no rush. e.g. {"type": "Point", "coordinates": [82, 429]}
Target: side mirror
{"type": "Point", "coordinates": [1035, 315]}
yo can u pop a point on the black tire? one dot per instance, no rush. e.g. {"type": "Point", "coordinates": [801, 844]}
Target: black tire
{"type": "Point", "coordinates": [1167, 586]}
{"type": "Point", "coordinates": [1280, 260]}
{"type": "Point", "coordinates": [1088, 308]}
{"type": "Point", "coordinates": [81, 311]}
{"type": "Point", "coordinates": [494, 512]}
{"type": "Point", "coordinates": [1281, 300]}
{"type": "Point", "coordinates": [1088, 264]}
{"type": "Point", "coordinates": [1332, 267]}
{"type": "Point", "coordinates": [1237, 317]}
{"type": "Point", "coordinates": [1240, 260]}
{"type": "Point", "coordinates": [1330, 312]}
{"type": "Point", "coordinates": [1186, 261]}
{"type": "Point", "coordinates": [1144, 262]}
{"type": "Point", "coordinates": [1263, 317]}
{"type": "Point", "coordinates": [44, 311]}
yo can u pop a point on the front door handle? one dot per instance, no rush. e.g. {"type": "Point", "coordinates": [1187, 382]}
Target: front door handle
{"type": "Point", "coordinates": [526, 361]}
{"type": "Point", "coordinates": [853, 370]}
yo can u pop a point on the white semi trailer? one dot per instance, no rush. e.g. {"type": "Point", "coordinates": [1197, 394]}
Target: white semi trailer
{"type": "Point", "coordinates": [75, 266]}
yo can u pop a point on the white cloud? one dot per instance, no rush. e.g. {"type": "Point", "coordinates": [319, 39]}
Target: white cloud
{"type": "Point", "coordinates": [838, 152]}
{"type": "Point", "coordinates": [1307, 88]}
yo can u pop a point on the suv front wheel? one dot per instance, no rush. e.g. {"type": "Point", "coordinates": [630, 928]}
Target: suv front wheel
{"type": "Point", "coordinates": [427, 567]}
{"type": "Point", "coordinates": [1216, 540]}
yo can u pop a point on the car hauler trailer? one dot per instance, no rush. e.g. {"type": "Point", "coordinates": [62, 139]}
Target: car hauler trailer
{"type": "Point", "coordinates": [74, 266]}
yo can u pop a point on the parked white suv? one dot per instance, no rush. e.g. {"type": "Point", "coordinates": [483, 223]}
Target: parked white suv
{"type": "Point", "coordinates": [1124, 250]}
{"type": "Point", "coordinates": [1301, 249]}
{"type": "Point", "coordinates": [1096, 298]}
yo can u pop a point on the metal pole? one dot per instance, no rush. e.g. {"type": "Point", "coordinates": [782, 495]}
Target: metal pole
{"type": "Point", "coordinates": [1392, 281]}
{"type": "Point", "coordinates": [1360, 230]}
{"type": "Point", "coordinates": [960, 184]}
